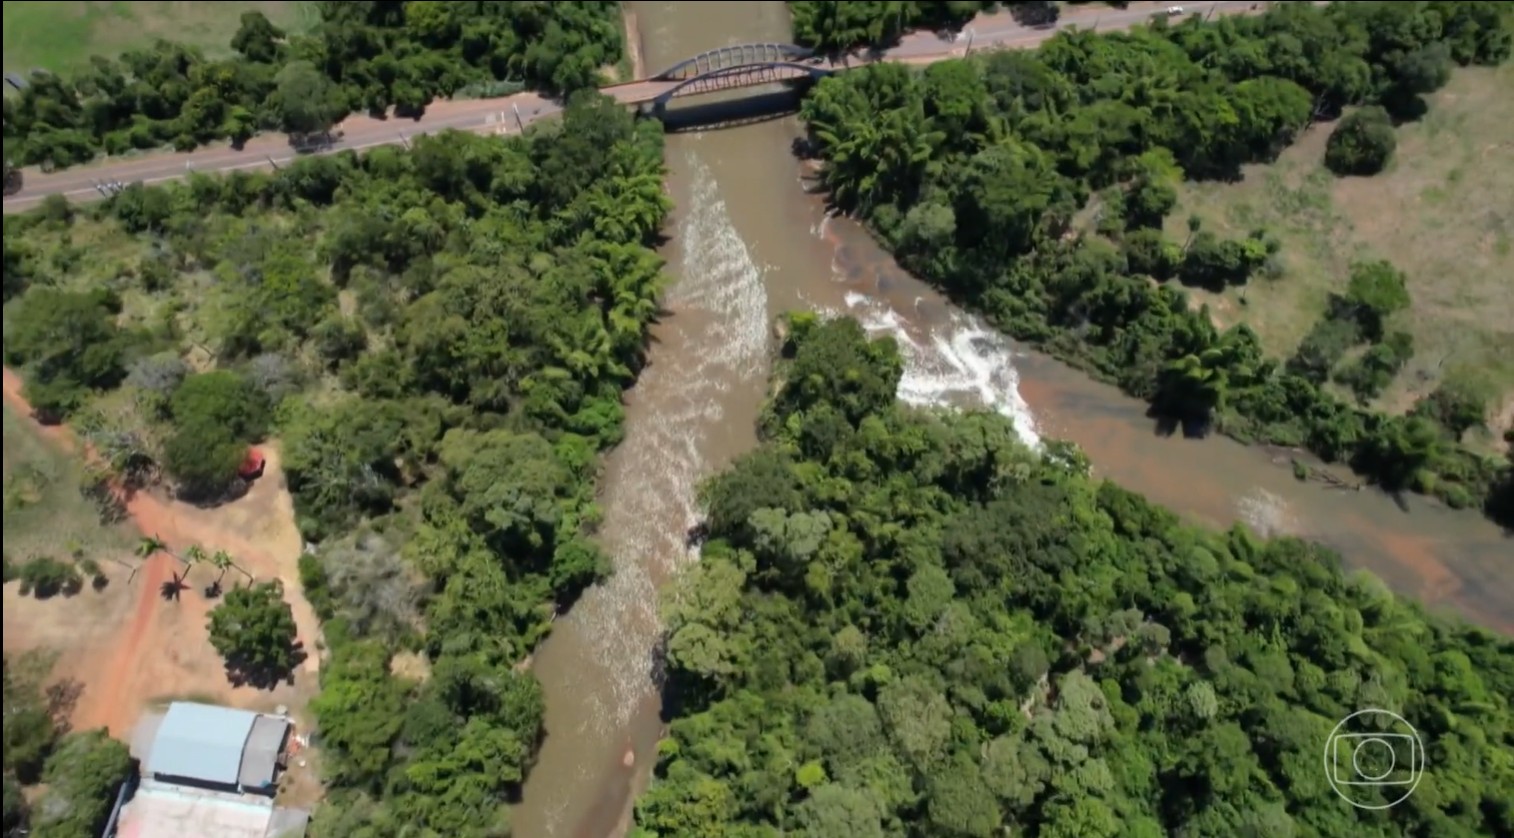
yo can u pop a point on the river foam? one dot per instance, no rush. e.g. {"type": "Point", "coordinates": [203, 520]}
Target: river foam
{"type": "Point", "coordinates": [951, 358]}
{"type": "Point", "coordinates": [714, 343]}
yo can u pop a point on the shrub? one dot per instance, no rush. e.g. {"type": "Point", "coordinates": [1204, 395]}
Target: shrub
{"type": "Point", "coordinates": [1362, 144]}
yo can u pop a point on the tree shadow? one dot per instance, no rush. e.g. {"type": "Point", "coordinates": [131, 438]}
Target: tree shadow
{"type": "Point", "coordinates": [45, 589]}
{"type": "Point", "coordinates": [1166, 424]}
{"type": "Point", "coordinates": [734, 113]}
{"type": "Point", "coordinates": [1035, 14]}
{"type": "Point", "coordinates": [171, 589]}
{"type": "Point", "coordinates": [1499, 507]}
{"type": "Point", "coordinates": [314, 143]}
{"type": "Point", "coordinates": [262, 676]}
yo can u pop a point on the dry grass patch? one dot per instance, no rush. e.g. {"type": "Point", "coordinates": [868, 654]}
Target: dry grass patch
{"type": "Point", "coordinates": [1442, 212]}
{"type": "Point", "coordinates": [46, 514]}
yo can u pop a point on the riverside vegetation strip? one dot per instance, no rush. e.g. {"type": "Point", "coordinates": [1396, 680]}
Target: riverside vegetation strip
{"type": "Point", "coordinates": [906, 623]}
{"type": "Point", "coordinates": [973, 173]}
{"type": "Point", "coordinates": [439, 338]}
{"type": "Point", "coordinates": [360, 57]}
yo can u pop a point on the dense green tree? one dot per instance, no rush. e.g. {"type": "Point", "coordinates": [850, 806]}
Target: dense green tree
{"type": "Point", "coordinates": [30, 733]}
{"type": "Point", "coordinates": [1376, 291]}
{"type": "Point", "coordinates": [837, 27]}
{"type": "Point", "coordinates": [67, 343]}
{"type": "Point", "coordinates": [215, 415]}
{"type": "Point", "coordinates": [253, 629]}
{"type": "Point", "coordinates": [305, 101]}
{"type": "Point", "coordinates": [362, 709]}
{"type": "Point", "coordinates": [257, 39]}
{"type": "Point", "coordinates": [82, 776]}
{"type": "Point", "coordinates": [1362, 144]}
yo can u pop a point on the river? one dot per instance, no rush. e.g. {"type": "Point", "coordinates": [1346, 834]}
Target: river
{"type": "Point", "coordinates": [748, 241]}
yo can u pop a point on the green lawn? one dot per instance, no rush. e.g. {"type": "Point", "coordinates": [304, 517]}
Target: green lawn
{"type": "Point", "coordinates": [60, 36]}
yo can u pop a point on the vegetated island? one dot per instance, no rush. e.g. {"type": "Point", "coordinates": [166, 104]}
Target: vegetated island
{"type": "Point", "coordinates": [906, 623]}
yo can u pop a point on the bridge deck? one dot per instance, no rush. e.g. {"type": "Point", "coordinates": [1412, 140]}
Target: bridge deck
{"type": "Point", "coordinates": [639, 92]}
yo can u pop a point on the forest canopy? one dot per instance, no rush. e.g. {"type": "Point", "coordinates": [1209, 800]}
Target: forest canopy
{"type": "Point", "coordinates": [974, 173]}
{"type": "Point", "coordinates": [906, 623]}
{"type": "Point", "coordinates": [842, 25]}
{"type": "Point", "coordinates": [439, 338]}
{"type": "Point", "coordinates": [361, 57]}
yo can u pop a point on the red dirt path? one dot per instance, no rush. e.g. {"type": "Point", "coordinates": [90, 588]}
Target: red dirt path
{"type": "Point", "coordinates": [163, 650]}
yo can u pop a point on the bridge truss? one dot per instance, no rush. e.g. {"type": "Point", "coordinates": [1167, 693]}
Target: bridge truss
{"type": "Point", "coordinates": [746, 75]}
{"type": "Point", "coordinates": [733, 57]}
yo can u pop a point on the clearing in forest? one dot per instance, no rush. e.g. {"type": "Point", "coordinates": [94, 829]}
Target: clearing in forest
{"type": "Point", "coordinates": [61, 36]}
{"type": "Point", "coordinates": [125, 643]}
{"type": "Point", "coordinates": [1441, 212]}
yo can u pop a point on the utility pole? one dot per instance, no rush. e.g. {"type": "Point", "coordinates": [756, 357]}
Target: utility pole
{"type": "Point", "coordinates": [520, 124]}
{"type": "Point", "coordinates": [273, 164]}
{"type": "Point", "coordinates": [404, 142]}
{"type": "Point", "coordinates": [969, 50]}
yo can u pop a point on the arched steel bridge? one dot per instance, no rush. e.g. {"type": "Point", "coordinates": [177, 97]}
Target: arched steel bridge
{"type": "Point", "coordinates": [725, 68]}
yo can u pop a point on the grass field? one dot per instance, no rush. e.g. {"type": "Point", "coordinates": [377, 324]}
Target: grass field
{"type": "Point", "coordinates": [45, 515]}
{"type": "Point", "coordinates": [1442, 212]}
{"type": "Point", "coordinates": [61, 36]}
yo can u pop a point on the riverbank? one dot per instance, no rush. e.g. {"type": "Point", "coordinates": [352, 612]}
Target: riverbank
{"type": "Point", "coordinates": [998, 228]}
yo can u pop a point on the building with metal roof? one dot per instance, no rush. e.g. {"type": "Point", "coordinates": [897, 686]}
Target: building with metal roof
{"type": "Point", "coordinates": [216, 747]}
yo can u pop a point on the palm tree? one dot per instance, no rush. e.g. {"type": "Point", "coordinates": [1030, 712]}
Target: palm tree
{"type": "Point", "coordinates": [1195, 224]}
{"type": "Point", "coordinates": [222, 561]}
{"type": "Point", "coordinates": [149, 546]}
{"type": "Point", "coordinates": [194, 555]}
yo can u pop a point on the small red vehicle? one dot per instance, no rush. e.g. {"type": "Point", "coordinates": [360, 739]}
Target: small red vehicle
{"type": "Point", "coordinates": [252, 465]}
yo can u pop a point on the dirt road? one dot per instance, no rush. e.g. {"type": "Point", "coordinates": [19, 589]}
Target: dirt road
{"type": "Point", "coordinates": [512, 113]}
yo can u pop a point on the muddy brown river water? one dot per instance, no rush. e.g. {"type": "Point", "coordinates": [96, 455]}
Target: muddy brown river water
{"type": "Point", "coordinates": [747, 242]}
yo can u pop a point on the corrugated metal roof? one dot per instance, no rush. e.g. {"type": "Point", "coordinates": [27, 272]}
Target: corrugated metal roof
{"type": "Point", "coordinates": [201, 742]}
{"type": "Point", "coordinates": [260, 757]}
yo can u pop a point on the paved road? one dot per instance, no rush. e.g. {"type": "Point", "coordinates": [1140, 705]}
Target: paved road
{"type": "Point", "coordinates": [510, 114]}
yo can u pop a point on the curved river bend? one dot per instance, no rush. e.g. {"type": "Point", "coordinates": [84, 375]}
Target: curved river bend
{"type": "Point", "coordinates": [749, 242]}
